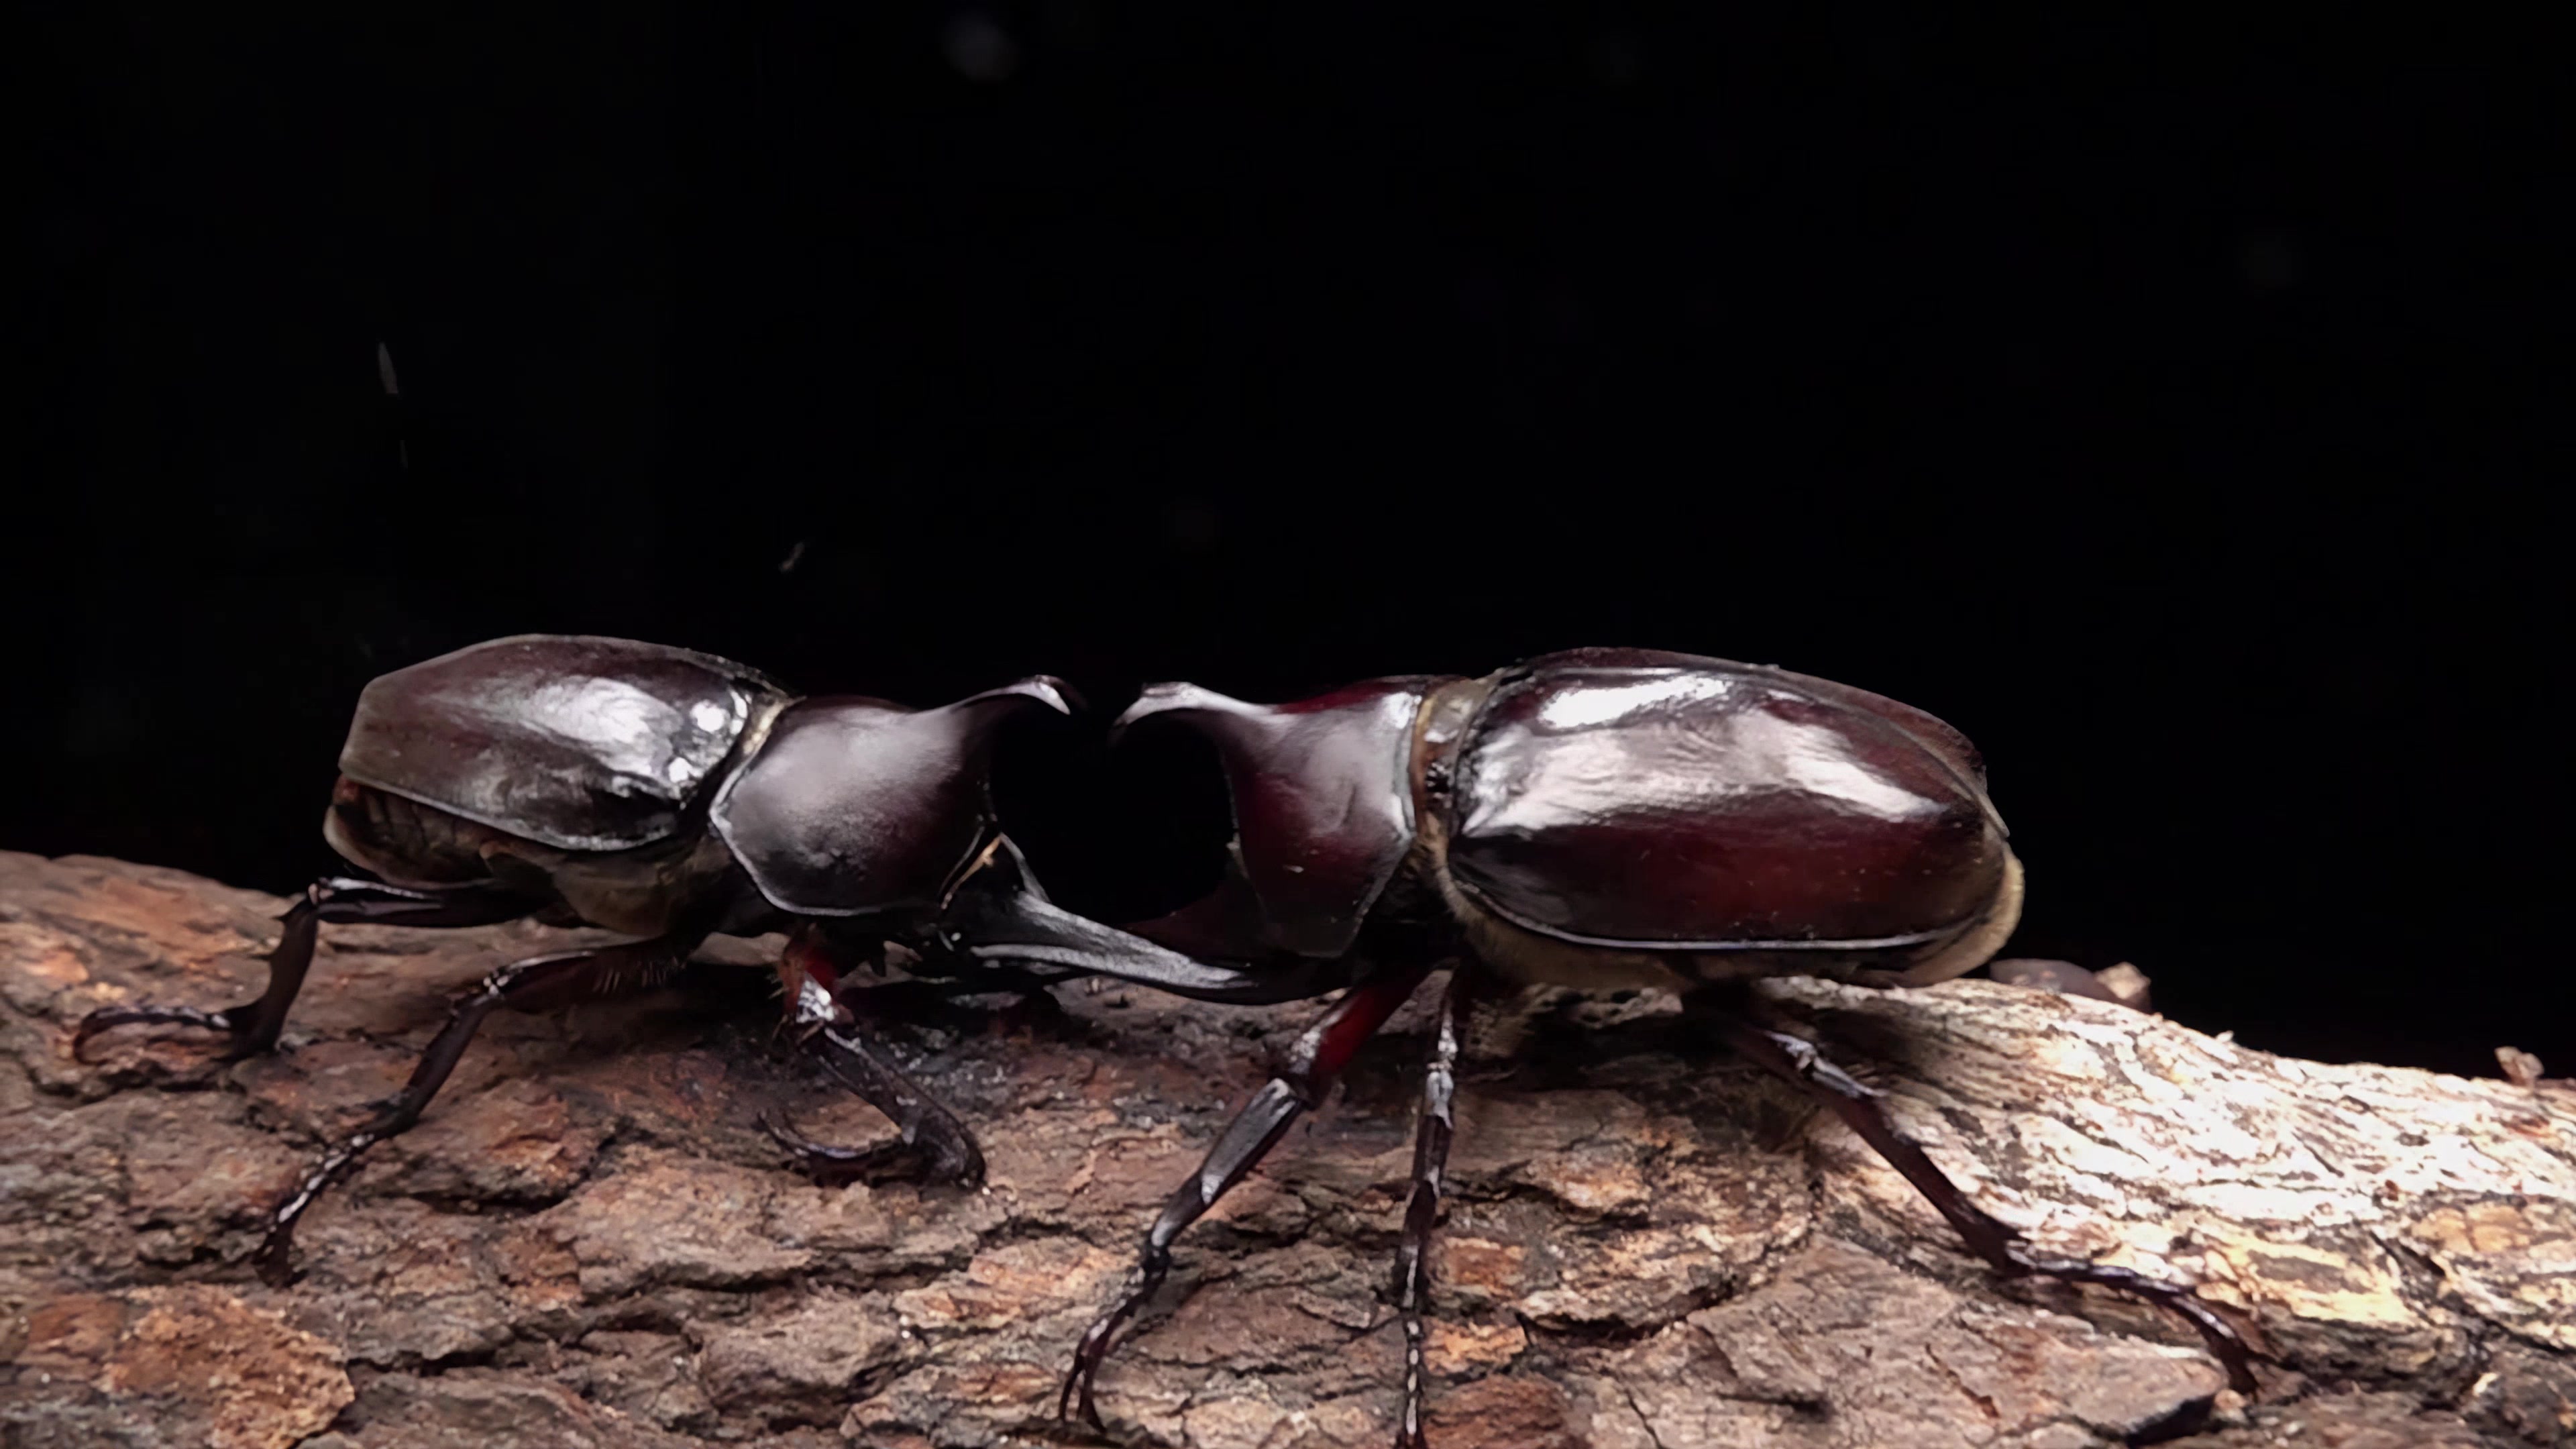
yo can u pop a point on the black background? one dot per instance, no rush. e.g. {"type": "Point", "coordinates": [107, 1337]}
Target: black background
{"type": "Point", "coordinates": [2170, 404]}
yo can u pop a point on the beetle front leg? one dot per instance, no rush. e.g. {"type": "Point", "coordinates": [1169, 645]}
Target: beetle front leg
{"type": "Point", "coordinates": [254, 1026]}
{"type": "Point", "coordinates": [930, 1138]}
{"type": "Point", "coordinates": [1431, 1140]}
{"type": "Point", "coordinates": [534, 984]}
{"type": "Point", "coordinates": [1313, 1063]}
{"type": "Point", "coordinates": [1799, 1062]}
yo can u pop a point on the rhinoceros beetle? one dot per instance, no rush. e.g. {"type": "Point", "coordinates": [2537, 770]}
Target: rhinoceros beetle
{"type": "Point", "coordinates": [1601, 818]}
{"type": "Point", "coordinates": [1597, 819]}
{"type": "Point", "coordinates": [667, 795]}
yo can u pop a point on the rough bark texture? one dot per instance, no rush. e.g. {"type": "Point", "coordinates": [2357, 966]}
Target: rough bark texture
{"type": "Point", "coordinates": [588, 1241]}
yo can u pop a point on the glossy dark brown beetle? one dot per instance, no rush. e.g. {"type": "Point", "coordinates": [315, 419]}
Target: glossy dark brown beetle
{"type": "Point", "coordinates": [667, 795]}
{"type": "Point", "coordinates": [1597, 819]}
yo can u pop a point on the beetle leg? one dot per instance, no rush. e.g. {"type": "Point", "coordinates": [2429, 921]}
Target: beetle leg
{"type": "Point", "coordinates": [930, 1134]}
{"type": "Point", "coordinates": [254, 1026]}
{"type": "Point", "coordinates": [535, 984]}
{"type": "Point", "coordinates": [1798, 1062]}
{"type": "Point", "coordinates": [1430, 1161]}
{"type": "Point", "coordinates": [834, 1166]}
{"type": "Point", "coordinates": [1313, 1063]}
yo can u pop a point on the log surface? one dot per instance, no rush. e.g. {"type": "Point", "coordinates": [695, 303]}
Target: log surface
{"type": "Point", "coordinates": [589, 1242]}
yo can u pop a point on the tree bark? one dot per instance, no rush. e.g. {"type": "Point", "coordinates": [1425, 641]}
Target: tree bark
{"type": "Point", "coordinates": [1646, 1246]}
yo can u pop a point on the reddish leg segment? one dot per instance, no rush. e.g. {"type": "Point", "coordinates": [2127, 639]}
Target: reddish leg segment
{"type": "Point", "coordinates": [253, 1026]}
{"type": "Point", "coordinates": [1797, 1061]}
{"type": "Point", "coordinates": [1313, 1063]}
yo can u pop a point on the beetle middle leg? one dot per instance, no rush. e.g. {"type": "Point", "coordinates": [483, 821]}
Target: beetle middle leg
{"type": "Point", "coordinates": [535, 984]}
{"type": "Point", "coordinates": [1798, 1062]}
{"type": "Point", "coordinates": [1313, 1063]}
{"type": "Point", "coordinates": [1431, 1139]}
{"type": "Point", "coordinates": [254, 1026]}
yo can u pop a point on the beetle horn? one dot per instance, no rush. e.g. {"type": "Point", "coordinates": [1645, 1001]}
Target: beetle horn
{"type": "Point", "coordinates": [1001, 916]}
{"type": "Point", "coordinates": [977, 716]}
{"type": "Point", "coordinates": [1045, 689]}
{"type": "Point", "coordinates": [1178, 697]}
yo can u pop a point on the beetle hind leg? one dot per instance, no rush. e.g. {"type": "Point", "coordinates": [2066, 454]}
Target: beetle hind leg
{"type": "Point", "coordinates": [1432, 1135]}
{"type": "Point", "coordinates": [254, 1026]}
{"type": "Point", "coordinates": [1798, 1062]}
{"type": "Point", "coordinates": [534, 984]}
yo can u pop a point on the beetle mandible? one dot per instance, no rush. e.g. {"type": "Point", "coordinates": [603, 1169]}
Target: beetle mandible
{"type": "Point", "coordinates": [1600, 819]}
{"type": "Point", "coordinates": [666, 795]}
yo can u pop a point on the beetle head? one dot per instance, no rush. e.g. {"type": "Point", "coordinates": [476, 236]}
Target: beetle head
{"type": "Point", "coordinates": [1323, 814]}
{"type": "Point", "coordinates": [854, 805]}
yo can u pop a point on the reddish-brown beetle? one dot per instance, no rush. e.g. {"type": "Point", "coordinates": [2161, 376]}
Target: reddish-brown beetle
{"type": "Point", "coordinates": [1602, 818]}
